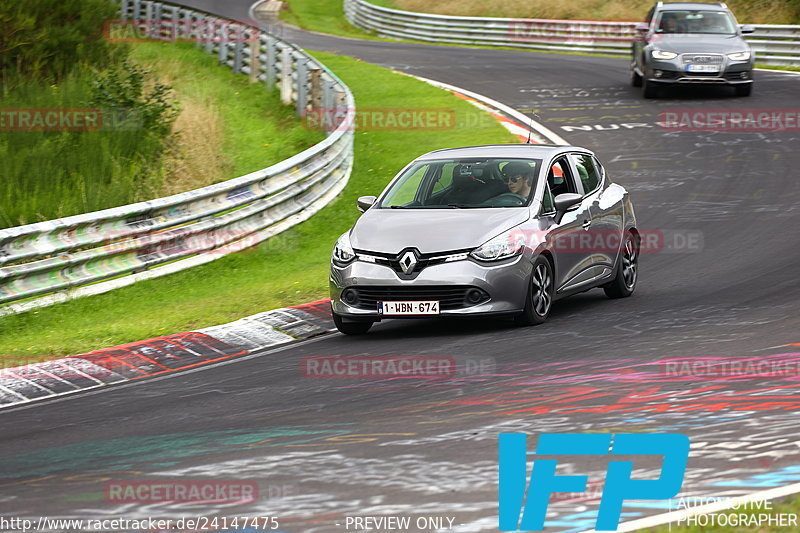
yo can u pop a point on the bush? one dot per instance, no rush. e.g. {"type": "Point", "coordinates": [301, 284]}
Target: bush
{"type": "Point", "coordinates": [122, 89]}
{"type": "Point", "coordinates": [42, 40]}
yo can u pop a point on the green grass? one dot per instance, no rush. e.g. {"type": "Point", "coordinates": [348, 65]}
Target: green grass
{"type": "Point", "coordinates": [326, 16]}
{"type": "Point", "coordinates": [258, 129]}
{"type": "Point", "coordinates": [290, 268]}
{"type": "Point", "coordinates": [791, 506]}
{"type": "Point", "coordinates": [47, 175]}
{"type": "Point", "coordinates": [58, 173]}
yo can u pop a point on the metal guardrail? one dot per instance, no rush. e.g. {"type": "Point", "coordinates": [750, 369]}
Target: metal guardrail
{"type": "Point", "coordinates": [49, 260]}
{"type": "Point", "coordinates": [772, 44]}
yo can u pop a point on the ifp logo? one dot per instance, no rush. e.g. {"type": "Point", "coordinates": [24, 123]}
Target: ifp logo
{"type": "Point", "coordinates": [531, 504]}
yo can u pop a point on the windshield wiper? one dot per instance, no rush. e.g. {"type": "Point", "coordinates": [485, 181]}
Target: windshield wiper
{"type": "Point", "coordinates": [465, 206]}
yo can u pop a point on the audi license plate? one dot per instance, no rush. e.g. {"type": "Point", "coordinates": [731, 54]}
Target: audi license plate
{"type": "Point", "coordinates": [702, 68]}
{"type": "Point", "coordinates": [408, 308]}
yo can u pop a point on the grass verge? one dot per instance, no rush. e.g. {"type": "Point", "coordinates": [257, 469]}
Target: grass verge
{"type": "Point", "coordinates": [288, 269]}
{"type": "Point", "coordinates": [227, 127]}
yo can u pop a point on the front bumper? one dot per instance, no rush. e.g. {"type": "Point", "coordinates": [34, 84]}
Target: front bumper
{"type": "Point", "coordinates": [505, 283]}
{"type": "Point", "coordinates": [673, 72]}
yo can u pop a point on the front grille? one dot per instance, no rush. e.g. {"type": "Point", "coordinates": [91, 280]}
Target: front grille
{"type": "Point", "coordinates": [449, 296]}
{"type": "Point", "coordinates": [702, 59]}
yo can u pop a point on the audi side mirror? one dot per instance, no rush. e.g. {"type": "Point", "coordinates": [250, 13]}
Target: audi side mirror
{"type": "Point", "coordinates": [365, 202]}
{"type": "Point", "coordinates": [642, 27]}
{"type": "Point", "coordinates": [563, 203]}
{"type": "Point", "coordinates": [747, 28]}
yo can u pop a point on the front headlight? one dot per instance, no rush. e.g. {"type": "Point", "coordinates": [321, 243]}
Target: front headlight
{"type": "Point", "coordinates": [343, 253]}
{"type": "Point", "coordinates": [508, 244]}
{"type": "Point", "coordinates": [660, 54]}
{"type": "Point", "coordinates": [739, 56]}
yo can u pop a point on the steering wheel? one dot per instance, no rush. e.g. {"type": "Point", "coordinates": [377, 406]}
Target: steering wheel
{"type": "Point", "coordinates": [508, 199]}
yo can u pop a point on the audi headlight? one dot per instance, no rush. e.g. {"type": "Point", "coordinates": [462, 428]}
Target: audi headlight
{"type": "Point", "coordinates": [343, 253]}
{"type": "Point", "coordinates": [739, 56]}
{"type": "Point", "coordinates": [508, 244]}
{"type": "Point", "coordinates": [661, 54]}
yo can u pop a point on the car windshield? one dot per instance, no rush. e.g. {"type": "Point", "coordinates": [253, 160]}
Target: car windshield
{"type": "Point", "coordinates": [464, 183]}
{"type": "Point", "coordinates": [719, 22]}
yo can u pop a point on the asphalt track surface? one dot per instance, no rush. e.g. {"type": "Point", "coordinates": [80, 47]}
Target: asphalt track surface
{"type": "Point", "coordinates": [321, 450]}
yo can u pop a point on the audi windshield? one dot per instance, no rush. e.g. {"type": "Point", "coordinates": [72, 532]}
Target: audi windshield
{"type": "Point", "coordinates": [714, 22]}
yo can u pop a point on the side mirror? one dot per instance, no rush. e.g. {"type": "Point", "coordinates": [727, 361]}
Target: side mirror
{"type": "Point", "coordinates": [642, 26]}
{"type": "Point", "coordinates": [747, 28]}
{"type": "Point", "coordinates": [563, 202]}
{"type": "Point", "coordinates": [365, 202]}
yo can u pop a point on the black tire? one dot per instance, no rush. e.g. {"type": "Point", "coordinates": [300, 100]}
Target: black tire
{"type": "Point", "coordinates": [636, 80]}
{"type": "Point", "coordinates": [624, 282]}
{"type": "Point", "coordinates": [649, 89]}
{"type": "Point", "coordinates": [351, 327]}
{"type": "Point", "coordinates": [744, 90]}
{"type": "Point", "coordinates": [539, 300]}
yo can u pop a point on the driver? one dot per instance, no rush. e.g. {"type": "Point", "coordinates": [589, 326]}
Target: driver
{"type": "Point", "coordinates": [518, 176]}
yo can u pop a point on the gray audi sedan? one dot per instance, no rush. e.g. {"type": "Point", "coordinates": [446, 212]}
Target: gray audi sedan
{"type": "Point", "coordinates": [499, 230]}
{"type": "Point", "coordinates": [691, 43]}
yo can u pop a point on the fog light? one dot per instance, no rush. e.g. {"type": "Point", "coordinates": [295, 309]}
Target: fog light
{"type": "Point", "coordinates": [743, 75]}
{"type": "Point", "coordinates": [658, 73]}
{"type": "Point", "coordinates": [349, 296]}
{"type": "Point", "coordinates": [474, 296]}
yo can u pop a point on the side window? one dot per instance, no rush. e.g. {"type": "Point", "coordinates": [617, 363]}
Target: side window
{"type": "Point", "coordinates": [587, 172]}
{"type": "Point", "coordinates": [559, 177]}
{"type": "Point", "coordinates": [601, 171]}
{"type": "Point", "coordinates": [547, 200]}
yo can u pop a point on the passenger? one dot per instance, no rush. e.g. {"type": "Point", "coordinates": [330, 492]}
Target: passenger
{"type": "Point", "coordinates": [518, 176]}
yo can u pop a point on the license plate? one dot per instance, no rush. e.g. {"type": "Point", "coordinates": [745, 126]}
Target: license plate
{"type": "Point", "coordinates": [702, 68]}
{"type": "Point", "coordinates": [408, 308]}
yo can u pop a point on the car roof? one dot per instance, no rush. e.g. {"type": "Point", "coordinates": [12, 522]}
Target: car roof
{"type": "Point", "coordinates": [692, 5]}
{"type": "Point", "coordinates": [521, 151]}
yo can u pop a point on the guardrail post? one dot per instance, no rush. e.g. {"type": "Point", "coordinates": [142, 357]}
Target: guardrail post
{"type": "Point", "coordinates": [157, 22]}
{"type": "Point", "coordinates": [302, 85]}
{"type": "Point", "coordinates": [148, 18]}
{"type": "Point", "coordinates": [209, 33]}
{"type": "Point", "coordinates": [137, 8]}
{"type": "Point", "coordinates": [315, 75]}
{"type": "Point", "coordinates": [223, 44]}
{"type": "Point", "coordinates": [286, 75]}
{"type": "Point", "coordinates": [255, 55]}
{"type": "Point", "coordinates": [272, 63]}
{"type": "Point", "coordinates": [176, 28]}
{"type": "Point", "coordinates": [238, 48]}
{"type": "Point", "coordinates": [327, 95]}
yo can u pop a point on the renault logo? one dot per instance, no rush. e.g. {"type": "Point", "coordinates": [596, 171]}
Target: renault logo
{"type": "Point", "coordinates": [408, 261]}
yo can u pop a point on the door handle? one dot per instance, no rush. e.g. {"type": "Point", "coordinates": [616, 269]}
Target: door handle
{"type": "Point", "coordinates": [586, 224]}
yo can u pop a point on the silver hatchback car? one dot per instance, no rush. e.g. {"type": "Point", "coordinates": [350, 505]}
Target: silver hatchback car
{"type": "Point", "coordinates": [485, 231]}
